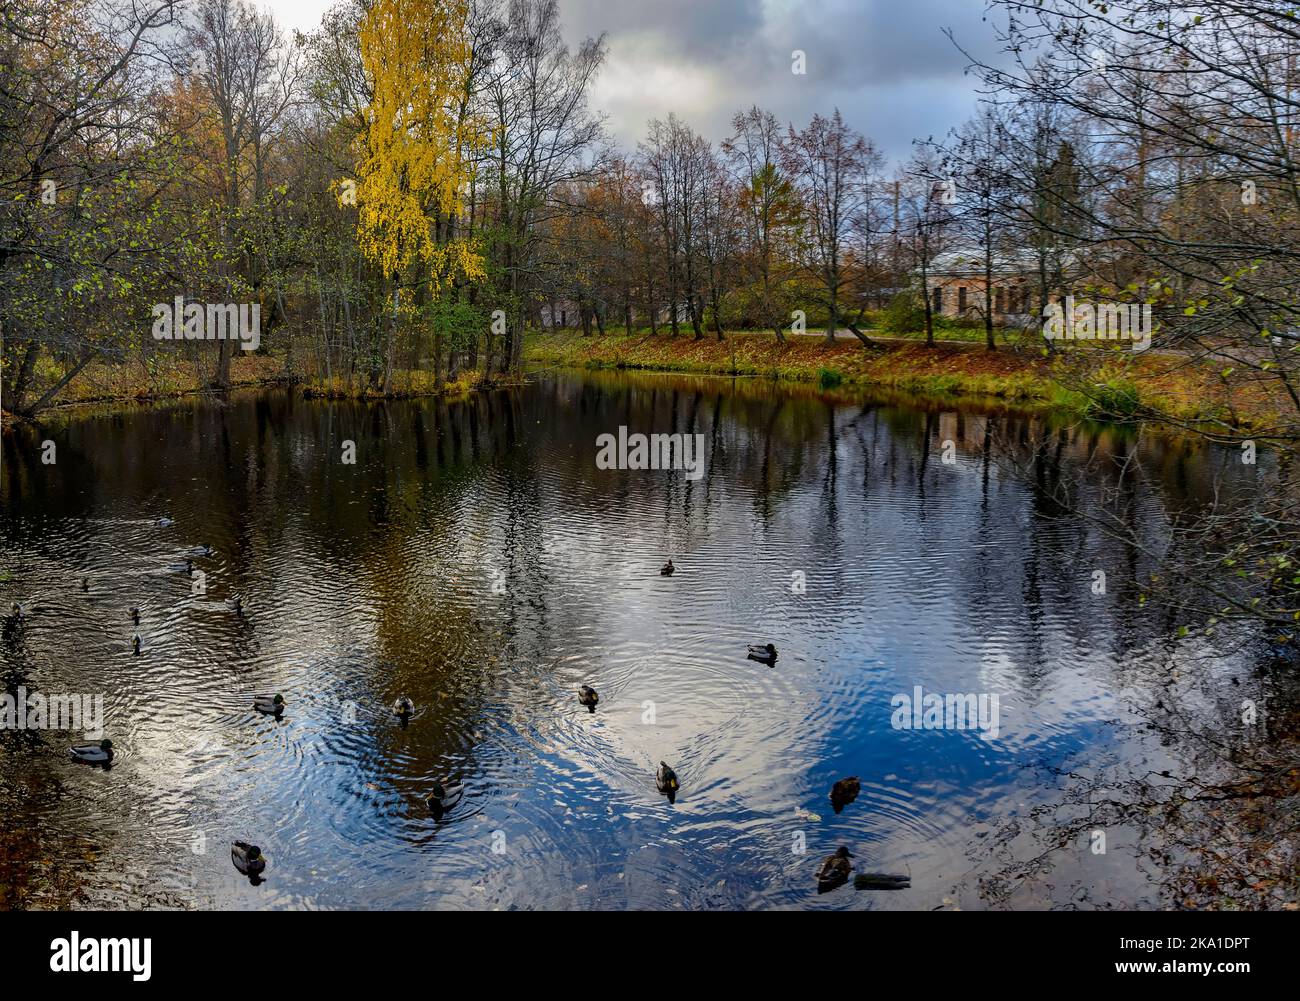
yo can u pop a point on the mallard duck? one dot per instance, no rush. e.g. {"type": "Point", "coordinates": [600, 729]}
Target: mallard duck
{"type": "Point", "coordinates": [135, 645]}
{"type": "Point", "coordinates": [202, 551]}
{"type": "Point", "coordinates": [667, 569]}
{"type": "Point", "coordinates": [666, 780]}
{"type": "Point", "coordinates": [444, 797]}
{"type": "Point", "coordinates": [844, 792]}
{"type": "Point", "coordinates": [403, 708]}
{"type": "Point", "coordinates": [588, 697]}
{"type": "Point", "coordinates": [248, 858]}
{"type": "Point", "coordinates": [271, 705]}
{"type": "Point", "coordinates": [135, 616]}
{"type": "Point", "coordinates": [93, 754]}
{"type": "Point", "coordinates": [765, 654]}
{"type": "Point", "coordinates": [835, 869]}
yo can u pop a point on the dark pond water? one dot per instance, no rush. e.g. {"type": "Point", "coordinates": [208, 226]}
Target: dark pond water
{"type": "Point", "coordinates": [476, 559]}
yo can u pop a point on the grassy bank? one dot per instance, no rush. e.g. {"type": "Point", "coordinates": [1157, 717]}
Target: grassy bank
{"type": "Point", "coordinates": [1120, 387]}
{"type": "Point", "coordinates": [169, 378]}
{"type": "Point", "coordinates": [1070, 380]}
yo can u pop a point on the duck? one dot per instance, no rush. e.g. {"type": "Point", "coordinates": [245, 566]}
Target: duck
{"type": "Point", "coordinates": [93, 754]}
{"type": "Point", "coordinates": [667, 569]}
{"type": "Point", "coordinates": [16, 610]}
{"type": "Point", "coordinates": [588, 696]}
{"type": "Point", "coordinates": [135, 616]}
{"type": "Point", "coordinates": [764, 654]}
{"type": "Point", "coordinates": [834, 870]}
{"type": "Point", "coordinates": [85, 583]}
{"type": "Point", "coordinates": [444, 797]}
{"type": "Point", "coordinates": [237, 606]}
{"type": "Point", "coordinates": [403, 708]}
{"type": "Point", "coordinates": [248, 858]}
{"type": "Point", "coordinates": [135, 645]}
{"type": "Point", "coordinates": [164, 523]}
{"type": "Point", "coordinates": [271, 705]}
{"type": "Point", "coordinates": [844, 792]}
{"type": "Point", "coordinates": [202, 551]}
{"type": "Point", "coordinates": [666, 780]}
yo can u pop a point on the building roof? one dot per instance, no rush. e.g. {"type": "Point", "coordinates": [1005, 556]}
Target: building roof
{"type": "Point", "coordinates": [969, 261]}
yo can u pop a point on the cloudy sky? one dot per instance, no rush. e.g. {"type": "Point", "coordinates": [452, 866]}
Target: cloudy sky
{"type": "Point", "coordinates": [885, 63]}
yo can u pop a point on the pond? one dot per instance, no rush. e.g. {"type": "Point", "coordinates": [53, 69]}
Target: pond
{"type": "Point", "coordinates": [475, 558]}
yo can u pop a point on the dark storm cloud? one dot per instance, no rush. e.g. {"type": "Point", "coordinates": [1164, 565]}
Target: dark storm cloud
{"type": "Point", "coordinates": [885, 63]}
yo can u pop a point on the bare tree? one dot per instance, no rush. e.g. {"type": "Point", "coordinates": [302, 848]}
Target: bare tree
{"type": "Point", "coordinates": [830, 163]}
{"type": "Point", "coordinates": [544, 137]}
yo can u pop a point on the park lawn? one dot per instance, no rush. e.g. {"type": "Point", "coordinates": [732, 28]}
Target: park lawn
{"type": "Point", "coordinates": [1193, 392]}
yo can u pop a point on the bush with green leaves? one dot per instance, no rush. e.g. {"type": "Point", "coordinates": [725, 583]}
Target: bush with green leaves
{"type": "Point", "coordinates": [904, 315]}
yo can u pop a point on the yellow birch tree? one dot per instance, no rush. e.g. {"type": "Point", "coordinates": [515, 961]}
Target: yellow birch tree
{"type": "Point", "coordinates": [419, 149]}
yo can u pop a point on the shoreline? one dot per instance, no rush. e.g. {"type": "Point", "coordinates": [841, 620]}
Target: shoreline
{"type": "Point", "coordinates": [250, 374]}
{"type": "Point", "coordinates": [948, 369]}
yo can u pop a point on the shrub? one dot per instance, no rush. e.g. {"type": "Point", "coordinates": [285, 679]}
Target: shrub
{"type": "Point", "coordinates": [1114, 399]}
{"type": "Point", "coordinates": [904, 315]}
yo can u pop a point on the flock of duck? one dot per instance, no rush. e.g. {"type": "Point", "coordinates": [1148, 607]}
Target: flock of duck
{"type": "Point", "coordinates": [834, 871]}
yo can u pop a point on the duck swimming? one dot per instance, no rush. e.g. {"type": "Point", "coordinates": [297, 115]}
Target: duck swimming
{"type": "Point", "coordinates": [763, 654]}
{"type": "Point", "coordinates": [272, 706]}
{"type": "Point", "coordinates": [237, 606]}
{"type": "Point", "coordinates": [16, 610]}
{"type": "Point", "coordinates": [93, 754]}
{"type": "Point", "coordinates": [135, 645]}
{"type": "Point", "coordinates": [844, 792]}
{"type": "Point", "coordinates": [588, 697]}
{"type": "Point", "coordinates": [834, 870]}
{"type": "Point", "coordinates": [666, 780]}
{"type": "Point", "coordinates": [445, 797]}
{"type": "Point", "coordinates": [202, 551]}
{"type": "Point", "coordinates": [135, 616]}
{"type": "Point", "coordinates": [248, 858]}
{"type": "Point", "coordinates": [403, 708]}
{"type": "Point", "coordinates": [667, 570]}
{"type": "Point", "coordinates": [164, 523]}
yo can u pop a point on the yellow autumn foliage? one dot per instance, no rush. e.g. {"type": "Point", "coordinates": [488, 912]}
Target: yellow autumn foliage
{"type": "Point", "coordinates": [418, 154]}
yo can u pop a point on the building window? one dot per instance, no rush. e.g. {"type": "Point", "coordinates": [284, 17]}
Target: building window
{"type": "Point", "coordinates": [937, 296]}
{"type": "Point", "coordinates": [961, 298]}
